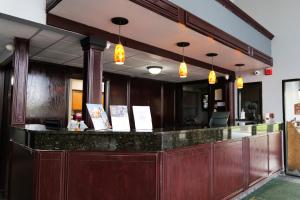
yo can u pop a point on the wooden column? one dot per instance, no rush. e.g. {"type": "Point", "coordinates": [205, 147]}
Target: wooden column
{"type": "Point", "coordinates": [20, 71]}
{"type": "Point", "coordinates": [92, 81]}
{"type": "Point", "coordinates": [231, 100]}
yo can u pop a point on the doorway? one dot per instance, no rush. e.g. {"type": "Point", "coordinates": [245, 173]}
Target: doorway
{"type": "Point", "coordinates": [250, 102]}
{"type": "Point", "coordinates": [291, 118]}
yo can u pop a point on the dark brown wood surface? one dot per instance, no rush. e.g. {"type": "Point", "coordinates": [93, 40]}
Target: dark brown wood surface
{"type": "Point", "coordinates": [275, 153]}
{"type": "Point", "coordinates": [228, 173]}
{"type": "Point", "coordinates": [20, 67]}
{"type": "Point", "coordinates": [94, 176]}
{"type": "Point", "coordinates": [187, 173]}
{"type": "Point", "coordinates": [258, 162]}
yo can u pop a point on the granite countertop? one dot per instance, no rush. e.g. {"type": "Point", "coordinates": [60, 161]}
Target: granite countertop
{"type": "Point", "coordinates": [39, 138]}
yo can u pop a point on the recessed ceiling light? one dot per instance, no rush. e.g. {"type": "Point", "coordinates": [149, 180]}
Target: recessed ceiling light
{"type": "Point", "coordinates": [10, 47]}
{"type": "Point", "coordinates": [154, 69]}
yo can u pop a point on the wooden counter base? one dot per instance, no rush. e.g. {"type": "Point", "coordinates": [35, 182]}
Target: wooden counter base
{"type": "Point", "coordinates": [212, 171]}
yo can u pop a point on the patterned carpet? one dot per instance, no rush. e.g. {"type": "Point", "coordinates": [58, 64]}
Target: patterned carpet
{"type": "Point", "coordinates": [277, 189]}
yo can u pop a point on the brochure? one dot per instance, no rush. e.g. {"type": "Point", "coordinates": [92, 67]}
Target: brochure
{"type": "Point", "coordinates": [142, 118]}
{"type": "Point", "coordinates": [119, 118]}
{"type": "Point", "coordinates": [98, 116]}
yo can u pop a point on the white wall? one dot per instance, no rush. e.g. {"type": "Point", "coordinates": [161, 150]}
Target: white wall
{"type": "Point", "coordinates": [33, 10]}
{"type": "Point", "coordinates": [281, 18]}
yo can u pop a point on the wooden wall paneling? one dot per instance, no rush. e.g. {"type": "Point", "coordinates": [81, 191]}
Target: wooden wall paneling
{"type": "Point", "coordinates": [258, 158]}
{"type": "Point", "coordinates": [246, 161]}
{"type": "Point", "coordinates": [147, 93]}
{"type": "Point", "coordinates": [49, 176]}
{"type": "Point", "coordinates": [22, 169]}
{"type": "Point", "coordinates": [133, 176]}
{"type": "Point", "coordinates": [20, 67]}
{"type": "Point", "coordinates": [231, 102]}
{"type": "Point", "coordinates": [47, 93]}
{"type": "Point", "coordinates": [92, 80]}
{"type": "Point", "coordinates": [228, 173]}
{"type": "Point", "coordinates": [187, 173]}
{"type": "Point", "coordinates": [275, 152]}
{"type": "Point", "coordinates": [169, 105]}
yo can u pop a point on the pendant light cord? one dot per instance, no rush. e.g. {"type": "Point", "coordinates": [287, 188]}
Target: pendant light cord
{"type": "Point", "coordinates": [212, 63]}
{"type": "Point", "coordinates": [119, 33]}
{"type": "Point", "coordinates": [183, 54]}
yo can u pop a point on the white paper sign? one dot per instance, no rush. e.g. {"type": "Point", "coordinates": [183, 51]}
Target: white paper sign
{"type": "Point", "coordinates": [98, 116]}
{"type": "Point", "coordinates": [119, 118]}
{"type": "Point", "coordinates": [142, 117]}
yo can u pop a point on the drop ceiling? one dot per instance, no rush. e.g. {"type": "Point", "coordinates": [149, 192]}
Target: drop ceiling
{"type": "Point", "coordinates": [151, 28]}
{"type": "Point", "coordinates": [53, 45]}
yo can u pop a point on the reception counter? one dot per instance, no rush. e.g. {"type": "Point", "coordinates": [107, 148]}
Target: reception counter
{"type": "Point", "coordinates": [193, 164]}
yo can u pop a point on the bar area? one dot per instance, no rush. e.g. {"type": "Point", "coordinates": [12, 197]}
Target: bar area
{"type": "Point", "coordinates": [106, 109]}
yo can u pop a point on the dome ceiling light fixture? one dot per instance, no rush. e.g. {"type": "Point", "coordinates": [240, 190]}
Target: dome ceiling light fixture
{"type": "Point", "coordinates": [154, 70]}
{"type": "Point", "coordinates": [183, 69]}
{"type": "Point", "coordinates": [119, 55]}
{"type": "Point", "coordinates": [212, 77]}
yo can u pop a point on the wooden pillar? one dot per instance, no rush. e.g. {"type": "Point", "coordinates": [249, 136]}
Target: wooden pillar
{"type": "Point", "coordinates": [231, 101]}
{"type": "Point", "coordinates": [20, 71]}
{"type": "Point", "coordinates": [92, 81]}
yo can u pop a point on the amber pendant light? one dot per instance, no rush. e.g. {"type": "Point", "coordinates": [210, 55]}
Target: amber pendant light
{"type": "Point", "coordinates": [240, 79]}
{"type": "Point", "coordinates": [183, 69]}
{"type": "Point", "coordinates": [119, 55]}
{"type": "Point", "coordinates": [212, 77]}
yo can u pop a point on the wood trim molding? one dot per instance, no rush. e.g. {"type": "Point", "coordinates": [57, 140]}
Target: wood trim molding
{"type": "Point", "coordinates": [73, 26]}
{"type": "Point", "coordinates": [203, 27]}
{"type": "Point", "coordinates": [244, 16]}
{"type": "Point", "coordinates": [52, 4]}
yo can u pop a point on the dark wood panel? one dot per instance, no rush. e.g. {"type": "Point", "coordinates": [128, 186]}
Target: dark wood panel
{"type": "Point", "coordinates": [50, 175]}
{"type": "Point", "coordinates": [258, 158]}
{"type": "Point", "coordinates": [147, 93]}
{"type": "Point", "coordinates": [118, 88]}
{"type": "Point", "coordinates": [20, 67]}
{"type": "Point", "coordinates": [244, 16]}
{"type": "Point", "coordinates": [162, 7]}
{"type": "Point", "coordinates": [109, 176]}
{"type": "Point", "coordinates": [187, 173]}
{"type": "Point", "coordinates": [275, 152]}
{"type": "Point", "coordinates": [93, 48]}
{"type": "Point", "coordinates": [22, 169]}
{"type": "Point", "coordinates": [262, 57]}
{"type": "Point", "coordinates": [228, 173]}
{"type": "Point", "coordinates": [168, 105]}
{"type": "Point", "coordinates": [47, 96]}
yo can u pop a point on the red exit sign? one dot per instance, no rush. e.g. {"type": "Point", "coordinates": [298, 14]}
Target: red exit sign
{"type": "Point", "coordinates": [268, 71]}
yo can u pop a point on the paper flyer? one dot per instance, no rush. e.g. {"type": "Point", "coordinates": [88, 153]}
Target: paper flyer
{"type": "Point", "coordinates": [142, 117]}
{"type": "Point", "coordinates": [98, 116]}
{"type": "Point", "coordinates": [119, 118]}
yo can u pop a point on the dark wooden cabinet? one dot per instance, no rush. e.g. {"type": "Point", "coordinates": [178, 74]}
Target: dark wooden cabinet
{"type": "Point", "coordinates": [212, 171]}
{"type": "Point", "coordinates": [275, 152]}
{"type": "Point", "coordinates": [258, 162]}
{"type": "Point", "coordinates": [187, 173]}
{"type": "Point", "coordinates": [228, 176]}
{"type": "Point", "coordinates": [95, 175]}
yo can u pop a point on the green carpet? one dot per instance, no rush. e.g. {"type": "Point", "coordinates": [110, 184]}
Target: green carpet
{"type": "Point", "coordinates": [276, 189]}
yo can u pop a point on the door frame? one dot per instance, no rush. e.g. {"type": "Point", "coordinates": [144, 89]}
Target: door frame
{"type": "Point", "coordinates": [284, 125]}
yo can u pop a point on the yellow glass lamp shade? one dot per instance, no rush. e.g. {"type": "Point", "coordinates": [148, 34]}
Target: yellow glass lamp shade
{"type": "Point", "coordinates": [119, 55]}
{"type": "Point", "coordinates": [240, 82]}
{"type": "Point", "coordinates": [183, 71]}
{"type": "Point", "coordinates": [212, 78]}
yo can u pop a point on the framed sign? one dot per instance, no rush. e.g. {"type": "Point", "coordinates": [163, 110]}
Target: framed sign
{"type": "Point", "coordinates": [297, 108]}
